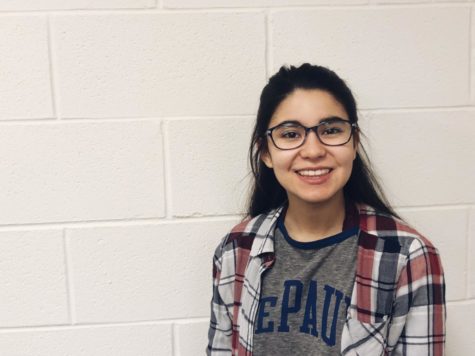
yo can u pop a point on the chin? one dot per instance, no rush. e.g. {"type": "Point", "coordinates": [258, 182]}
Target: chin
{"type": "Point", "coordinates": [316, 199]}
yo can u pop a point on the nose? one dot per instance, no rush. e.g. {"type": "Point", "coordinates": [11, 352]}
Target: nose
{"type": "Point", "coordinates": [312, 148]}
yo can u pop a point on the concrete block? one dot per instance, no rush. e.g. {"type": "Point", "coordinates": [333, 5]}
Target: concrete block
{"type": "Point", "coordinates": [147, 272]}
{"type": "Point", "coordinates": [389, 55]}
{"type": "Point", "coordinates": [81, 171]}
{"type": "Point", "coordinates": [147, 65]}
{"type": "Point", "coordinates": [409, 2]}
{"type": "Point", "coordinates": [254, 3]}
{"type": "Point", "coordinates": [460, 326]}
{"type": "Point", "coordinates": [191, 337]}
{"type": "Point", "coordinates": [25, 87]}
{"type": "Point", "coordinates": [425, 158]}
{"type": "Point", "coordinates": [208, 165]}
{"type": "Point", "coordinates": [126, 340]}
{"type": "Point", "coordinates": [33, 279]}
{"type": "Point", "coordinates": [20, 5]}
{"type": "Point", "coordinates": [447, 229]}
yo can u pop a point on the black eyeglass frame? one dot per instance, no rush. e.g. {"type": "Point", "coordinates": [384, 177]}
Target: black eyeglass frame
{"type": "Point", "coordinates": [354, 127]}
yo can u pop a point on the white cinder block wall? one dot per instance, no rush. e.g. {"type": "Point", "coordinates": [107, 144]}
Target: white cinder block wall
{"type": "Point", "coordinates": [124, 127]}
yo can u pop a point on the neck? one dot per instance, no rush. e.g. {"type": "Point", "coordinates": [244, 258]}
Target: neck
{"type": "Point", "coordinates": [310, 222]}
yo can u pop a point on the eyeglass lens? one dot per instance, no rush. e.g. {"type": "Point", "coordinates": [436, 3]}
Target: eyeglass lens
{"type": "Point", "coordinates": [332, 133]}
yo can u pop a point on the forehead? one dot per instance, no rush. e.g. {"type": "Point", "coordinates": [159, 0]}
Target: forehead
{"type": "Point", "coordinates": [308, 107]}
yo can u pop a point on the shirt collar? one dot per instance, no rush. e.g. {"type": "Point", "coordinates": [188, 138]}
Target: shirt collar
{"type": "Point", "coordinates": [355, 215]}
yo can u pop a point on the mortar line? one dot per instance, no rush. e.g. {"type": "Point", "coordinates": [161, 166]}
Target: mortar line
{"type": "Point", "coordinates": [181, 219]}
{"type": "Point", "coordinates": [119, 222]}
{"type": "Point", "coordinates": [269, 43]}
{"type": "Point", "coordinates": [52, 66]}
{"type": "Point", "coordinates": [461, 302]}
{"type": "Point", "coordinates": [469, 262]}
{"type": "Point", "coordinates": [175, 341]}
{"type": "Point", "coordinates": [395, 110]}
{"type": "Point", "coordinates": [68, 279]}
{"type": "Point", "coordinates": [470, 54]}
{"type": "Point", "coordinates": [433, 207]}
{"type": "Point", "coordinates": [146, 10]}
{"type": "Point", "coordinates": [166, 170]}
{"type": "Point", "coordinates": [91, 325]}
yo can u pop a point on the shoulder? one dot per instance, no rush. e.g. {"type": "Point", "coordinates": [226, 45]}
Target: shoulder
{"type": "Point", "coordinates": [387, 233]}
{"type": "Point", "coordinates": [396, 258]}
{"type": "Point", "coordinates": [241, 237]}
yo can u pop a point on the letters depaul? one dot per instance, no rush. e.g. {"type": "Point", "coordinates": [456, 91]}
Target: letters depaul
{"type": "Point", "coordinates": [321, 324]}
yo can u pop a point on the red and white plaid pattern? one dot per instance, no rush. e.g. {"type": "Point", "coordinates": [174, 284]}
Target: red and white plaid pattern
{"type": "Point", "coordinates": [398, 299]}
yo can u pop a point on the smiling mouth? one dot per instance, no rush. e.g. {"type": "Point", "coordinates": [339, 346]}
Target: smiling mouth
{"type": "Point", "coordinates": [313, 172]}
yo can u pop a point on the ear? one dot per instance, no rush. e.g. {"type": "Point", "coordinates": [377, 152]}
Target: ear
{"type": "Point", "coordinates": [356, 142]}
{"type": "Point", "coordinates": [265, 157]}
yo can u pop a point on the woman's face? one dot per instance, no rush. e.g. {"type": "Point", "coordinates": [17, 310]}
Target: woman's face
{"type": "Point", "coordinates": [309, 107]}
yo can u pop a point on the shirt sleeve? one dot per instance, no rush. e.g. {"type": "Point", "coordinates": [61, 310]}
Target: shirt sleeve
{"type": "Point", "coordinates": [417, 325]}
{"type": "Point", "coordinates": [220, 328]}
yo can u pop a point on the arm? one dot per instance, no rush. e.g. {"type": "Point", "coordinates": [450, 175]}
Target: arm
{"type": "Point", "coordinates": [220, 329]}
{"type": "Point", "coordinates": [418, 320]}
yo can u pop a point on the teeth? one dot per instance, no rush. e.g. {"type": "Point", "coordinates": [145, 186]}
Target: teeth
{"type": "Point", "coordinates": [311, 173]}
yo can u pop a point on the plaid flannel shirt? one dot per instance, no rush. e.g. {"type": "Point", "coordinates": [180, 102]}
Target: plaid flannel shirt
{"type": "Point", "coordinates": [398, 299]}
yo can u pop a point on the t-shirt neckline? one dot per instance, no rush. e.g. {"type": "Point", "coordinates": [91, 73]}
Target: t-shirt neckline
{"type": "Point", "coordinates": [317, 244]}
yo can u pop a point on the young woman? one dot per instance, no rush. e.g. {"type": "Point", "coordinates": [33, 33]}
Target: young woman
{"type": "Point", "coordinates": [322, 265]}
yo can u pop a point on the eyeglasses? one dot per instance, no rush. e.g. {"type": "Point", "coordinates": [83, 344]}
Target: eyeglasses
{"type": "Point", "coordinates": [289, 135]}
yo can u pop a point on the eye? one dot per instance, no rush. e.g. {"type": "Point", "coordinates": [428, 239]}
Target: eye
{"type": "Point", "coordinates": [290, 134]}
{"type": "Point", "coordinates": [332, 131]}
{"type": "Point", "coordinates": [335, 127]}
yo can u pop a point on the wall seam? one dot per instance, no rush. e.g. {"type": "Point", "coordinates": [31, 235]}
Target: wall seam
{"type": "Point", "coordinates": [53, 76]}
{"type": "Point", "coordinates": [175, 341]}
{"type": "Point", "coordinates": [85, 119]}
{"type": "Point", "coordinates": [470, 54]}
{"type": "Point", "coordinates": [269, 44]}
{"type": "Point", "coordinates": [469, 262]}
{"type": "Point", "coordinates": [369, 6]}
{"type": "Point", "coordinates": [98, 325]}
{"type": "Point", "coordinates": [166, 170]}
{"type": "Point", "coordinates": [121, 222]}
{"type": "Point", "coordinates": [68, 279]}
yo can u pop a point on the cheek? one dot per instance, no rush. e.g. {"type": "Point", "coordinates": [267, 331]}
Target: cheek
{"type": "Point", "coordinates": [348, 164]}
{"type": "Point", "coordinates": [345, 160]}
{"type": "Point", "coordinates": [349, 159]}
{"type": "Point", "coordinates": [282, 161]}
{"type": "Point", "coordinates": [282, 167]}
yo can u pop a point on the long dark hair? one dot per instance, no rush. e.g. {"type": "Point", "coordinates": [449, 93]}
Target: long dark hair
{"type": "Point", "coordinates": [267, 193]}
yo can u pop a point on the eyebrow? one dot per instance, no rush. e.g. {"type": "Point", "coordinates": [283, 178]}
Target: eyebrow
{"type": "Point", "coordinates": [297, 122]}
